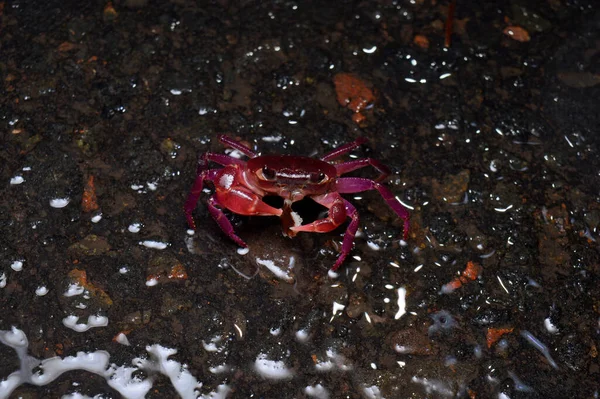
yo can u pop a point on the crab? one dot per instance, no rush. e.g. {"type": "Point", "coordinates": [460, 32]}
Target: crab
{"type": "Point", "coordinates": [240, 186]}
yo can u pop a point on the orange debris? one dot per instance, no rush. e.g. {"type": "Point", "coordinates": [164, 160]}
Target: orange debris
{"type": "Point", "coordinates": [421, 41]}
{"type": "Point", "coordinates": [89, 201]}
{"type": "Point", "coordinates": [80, 277]}
{"type": "Point", "coordinates": [517, 33]}
{"type": "Point", "coordinates": [494, 334]}
{"type": "Point", "coordinates": [353, 93]}
{"type": "Point", "coordinates": [471, 272]}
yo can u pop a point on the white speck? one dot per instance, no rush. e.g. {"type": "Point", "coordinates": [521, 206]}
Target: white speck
{"type": "Point", "coordinates": [275, 331]}
{"type": "Point", "coordinates": [122, 339]}
{"type": "Point", "coordinates": [271, 369]}
{"type": "Point", "coordinates": [41, 290]}
{"type": "Point", "coordinates": [401, 303]}
{"type": "Point", "coordinates": [73, 290]}
{"type": "Point", "coordinates": [93, 321]}
{"type": "Point", "coordinates": [136, 187]}
{"type": "Point", "coordinates": [151, 282]}
{"type": "Point", "coordinates": [2, 280]}
{"type": "Point", "coordinates": [59, 202]}
{"type": "Point", "coordinates": [239, 330]}
{"type": "Point", "coordinates": [445, 75]}
{"type": "Point", "coordinates": [154, 244]}
{"type": "Point", "coordinates": [123, 270]}
{"type": "Point", "coordinates": [16, 180]}
{"type": "Point", "coordinates": [550, 327]}
{"type": "Point", "coordinates": [331, 274]}
{"type": "Point", "coordinates": [226, 180]}
{"type": "Point", "coordinates": [97, 218]}
{"type": "Point", "coordinates": [373, 366]}
{"type": "Point", "coordinates": [176, 92]}
{"type": "Point", "coordinates": [272, 139]}
{"type": "Point", "coordinates": [235, 153]}
{"type": "Point", "coordinates": [410, 80]}
{"type": "Point", "coordinates": [134, 227]}
{"type": "Point", "coordinates": [26, 168]}
{"type": "Point", "coordinates": [502, 210]}
{"type": "Point", "coordinates": [81, 305]}
{"type": "Point", "coordinates": [370, 50]}
{"type": "Point", "coordinates": [190, 232]}
{"type": "Point", "coordinates": [152, 185]}
{"type": "Point", "coordinates": [17, 265]}
{"type": "Point", "coordinates": [337, 307]}
{"type": "Point", "coordinates": [243, 251]}
{"type": "Point", "coordinates": [302, 336]}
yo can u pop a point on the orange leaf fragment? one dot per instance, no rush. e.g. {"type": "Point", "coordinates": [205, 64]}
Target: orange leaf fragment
{"type": "Point", "coordinates": [472, 271]}
{"type": "Point", "coordinates": [517, 33]}
{"type": "Point", "coordinates": [178, 272]}
{"type": "Point", "coordinates": [89, 201]}
{"type": "Point", "coordinates": [494, 334]}
{"type": "Point", "coordinates": [421, 41]}
{"type": "Point", "coordinates": [80, 277]}
{"type": "Point", "coordinates": [352, 92]}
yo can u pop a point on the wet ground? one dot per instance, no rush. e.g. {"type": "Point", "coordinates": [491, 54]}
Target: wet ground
{"type": "Point", "coordinates": [493, 145]}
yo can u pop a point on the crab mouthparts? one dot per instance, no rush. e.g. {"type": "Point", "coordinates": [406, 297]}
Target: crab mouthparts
{"type": "Point", "coordinates": [289, 219]}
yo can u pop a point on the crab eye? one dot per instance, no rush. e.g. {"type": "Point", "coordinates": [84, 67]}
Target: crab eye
{"type": "Point", "coordinates": [317, 177]}
{"type": "Point", "coordinates": [268, 173]}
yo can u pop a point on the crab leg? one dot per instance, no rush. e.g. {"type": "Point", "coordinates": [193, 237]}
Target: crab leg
{"type": "Point", "coordinates": [348, 185]}
{"type": "Point", "coordinates": [223, 222]}
{"type": "Point", "coordinates": [349, 166]}
{"type": "Point", "coordinates": [337, 152]}
{"type": "Point", "coordinates": [194, 195]}
{"type": "Point", "coordinates": [339, 209]}
{"type": "Point", "coordinates": [237, 145]}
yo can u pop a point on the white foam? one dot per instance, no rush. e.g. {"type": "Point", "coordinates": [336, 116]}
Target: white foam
{"type": "Point", "coordinates": [271, 369]}
{"type": "Point", "coordinates": [373, 246]}
{"type": "Point", "coordinates": [93, 321]}
{"type": "Point", "coordinates": [134, 227]}
{"type": "Point", "coordinates": [74, 289]}
{"type": "Point", "coordinates": [17, 265]}
{"type": "Point", "coordinates": [401, 303]}
{"type": "Point", "coordinates": [59, 202]}
{"type": "Point", "coordinates": [122, 339]}
{"type": "Point", "coordinates": [302, 336]}
{"type": "Point", "coordinates": [126, 380]}
{"type": "Point", "coordinates": [154, 244]}
{"type": "Point", "coordinates": [317, 391]}
{"type": "Point", "coordinates": [16, 180]}
{"type": "Point", "coordinates": [372, 392]}
{"type": "Point", "coordinates": [550, 327]}
{"type": "Point", "coordinates": [151, 282]}
{"type": "Point", "coordinates": [278, 272]}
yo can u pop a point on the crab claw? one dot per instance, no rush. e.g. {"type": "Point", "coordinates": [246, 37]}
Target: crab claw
{"type": "Point", "coordinates": [289, 219]}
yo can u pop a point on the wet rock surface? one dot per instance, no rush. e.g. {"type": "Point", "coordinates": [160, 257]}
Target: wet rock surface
{"type": "Point", "coordinates": [492, 143]}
